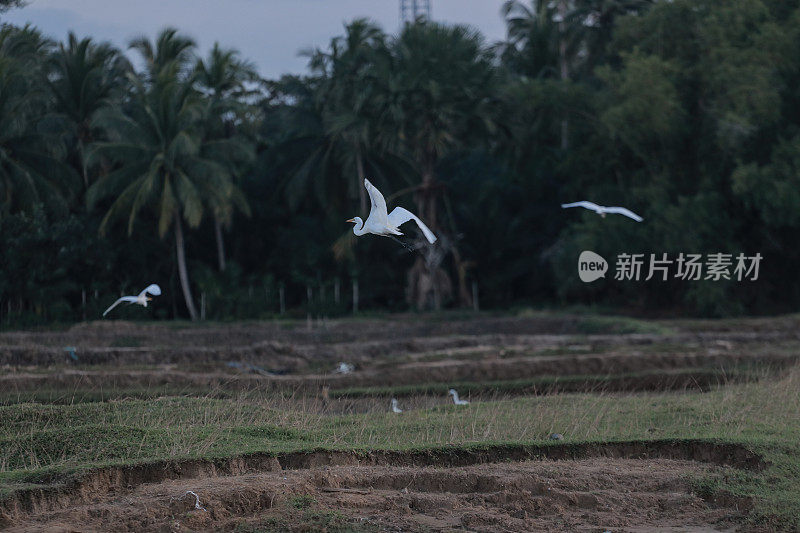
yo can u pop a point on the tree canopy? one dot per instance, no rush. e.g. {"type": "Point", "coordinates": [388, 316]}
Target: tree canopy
{"type": "Point", "coordinates": [231, 191]}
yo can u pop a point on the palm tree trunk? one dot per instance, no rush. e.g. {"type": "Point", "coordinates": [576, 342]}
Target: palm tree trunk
{"type": "Point", "coordinates": [360, 185]}
{"type": "Point", "coordinates": [427, 202]}
{"type": "Point", "coordinates": [562, 58]}
{"type": "Point", "coordinates": [427, 283]}
{"type": "Point", "coordinates": [180, 249]}
{"type": "Point", "coordinates": [464, 295]}
{"type": "Point", "coordinates": [85, 174]}
{"type": "Point", "coordinates": [220, 244]}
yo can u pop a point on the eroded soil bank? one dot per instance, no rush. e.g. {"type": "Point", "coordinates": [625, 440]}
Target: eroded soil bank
{"type": "Point", "coordinates": [514, 487]}
{"type": "Point", "coordinates": [594, 494]}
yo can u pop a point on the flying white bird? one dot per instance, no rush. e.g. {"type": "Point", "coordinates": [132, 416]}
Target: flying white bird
{"type": "Point", "coordinates": [602, 210]}
{"type": "Point", "coordinates": [142, 299]}
{"type": "Point", "coordinates": [456, 401]}
{"type": "Point", "coordinates": [380, 223]}
{"type": "Point", "coordinates": [395, 409]}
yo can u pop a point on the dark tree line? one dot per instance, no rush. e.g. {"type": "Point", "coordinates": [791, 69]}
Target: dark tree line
{"type": "Point", "coordinates": [231, 191]}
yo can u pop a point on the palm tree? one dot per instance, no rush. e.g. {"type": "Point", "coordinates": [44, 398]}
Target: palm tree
{"type": "Point", "coordinates": [5, 5]}
{"type": "Point", "coordinates": [83, 77]}
{"type": "Point", "coordinates": [542, 42]}
{"type": "Point", "coordinates": [225, 78]}
{"type": "Point", "coordinates": [592, 23]}
{"type": "Point", "coordinates": [532, 46]}
{"type": "Point", "coordinates": [327, 143]}
{"type": "Point", "coordinates": [441, 83]}
{"type": "Point", "coordinates": [299, 148]}
{"type": "Point", "coordinates": [559, 39]}
{"type": "Point", "coordinates": [32, 168]}
{"type": "Point", "coordinates": [224, 75]}
{"type": "Point", "coordinates": [349, 94]}
{"type": "Point", "coordinates": [169, 50]}
{"type": "Point", "coordinates": [158, 153]}
{"type": "Point", "coordinates": [25, 44]}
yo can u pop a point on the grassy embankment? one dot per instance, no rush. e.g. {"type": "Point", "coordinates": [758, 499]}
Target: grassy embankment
{"type": "Point", "coordinates": [42, 445]}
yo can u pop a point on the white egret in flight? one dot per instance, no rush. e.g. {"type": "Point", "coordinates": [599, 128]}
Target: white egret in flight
{"type": "Point", "coordinates": [379, 222]}
{"type": "Point", "coordinates": [142, 299]}
{"type": "Point", "coordinates": [456, 401]}
{"type": "Point", "coordinates": [395, 409]}
{"type": "Point", "coordinates": [602, 210]}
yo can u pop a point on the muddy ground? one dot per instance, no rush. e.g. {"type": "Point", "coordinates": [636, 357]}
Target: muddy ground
{"type": "Point", "coordinates": [591, 487]}
{"type": "Point", "coordinates": [583, 495]}
{"type": "Point", "coordinates": [630, 489]}
{"type": "Point", "coordinates": [393, 352]}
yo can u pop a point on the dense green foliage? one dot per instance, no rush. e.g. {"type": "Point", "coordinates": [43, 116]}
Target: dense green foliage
{"type": "Point", "coordinates": [196, 174]}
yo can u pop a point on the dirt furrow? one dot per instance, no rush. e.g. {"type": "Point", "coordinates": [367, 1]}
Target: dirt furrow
{"type": "Point", "coordinates": [540, 495]}
{"type": "Point", "coordinates": [91, 485]}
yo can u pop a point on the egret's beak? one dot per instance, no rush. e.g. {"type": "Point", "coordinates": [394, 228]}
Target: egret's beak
{"type": "Point", "coordinates": [351, 220]}
{"type": "Point", "coordinates": [148, 299]}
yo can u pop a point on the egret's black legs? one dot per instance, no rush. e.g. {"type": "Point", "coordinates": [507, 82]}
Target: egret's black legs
{"type": "Point", "coordinates": [404, 244]}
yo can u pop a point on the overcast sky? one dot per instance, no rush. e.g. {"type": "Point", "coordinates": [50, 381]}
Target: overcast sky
{"type": "Point", "coordinates": [268, 32]}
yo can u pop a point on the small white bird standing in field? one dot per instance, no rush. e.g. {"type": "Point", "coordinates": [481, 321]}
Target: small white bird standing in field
{"type": "Point", "coordinates": [344, 368]}
{"type": "Point", "coordinates": [383, 224]}
{"type": "Point", "coordinates": [142, 299]}
{"type": "Point", "coordinates": [454, 394]}
{"type": "Point", "coordinates": [196, 498]}
{"type": "Point", "coordinates": [395, 409]}
{"type": "Point", "coordinates": [602, 210]}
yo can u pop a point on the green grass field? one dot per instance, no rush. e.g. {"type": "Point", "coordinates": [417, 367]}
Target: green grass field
{"type": "Point", "coordinates": [45, 444]}
{"type": "Point", "coordinates": [52, 434]}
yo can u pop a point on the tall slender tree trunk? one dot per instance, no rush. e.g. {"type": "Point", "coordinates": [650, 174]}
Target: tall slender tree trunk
{"type": "Point", "coordinates": [427, 283]}
{"type": "Point", "coordinates": [84, 172]}
{"type": "Point", "coordinates": [362, 191]}
{"type": "Point", "coordinates": [427, 202]}
{"type": "Point", "coordinates": [180, 249]}
{"type": "Point", "coordinates": [464, 295]}
{"type": "Point", "coordinates": [562, 59]}
{"type": "Point", "coordinates": [220, 243]}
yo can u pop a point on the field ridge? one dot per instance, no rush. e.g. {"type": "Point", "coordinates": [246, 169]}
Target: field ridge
{"type": "Point", "coordinates": [93, 483]}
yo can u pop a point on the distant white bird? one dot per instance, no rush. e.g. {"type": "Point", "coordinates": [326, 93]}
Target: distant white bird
{"type": "Point", "coordinates": [602, 210]}
{"type": "Point", "coordinates": [395, 409]}
{"type": "Point", "coordinates": [142, 299]}
{"type": "Point", "coordinates": [380, 223]}
{"type": "Point", "coordinates": [456, 401]}
{"type": "Point", "coordinates": [344, 368]}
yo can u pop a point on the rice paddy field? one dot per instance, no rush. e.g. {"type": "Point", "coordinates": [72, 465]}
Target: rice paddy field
{"type": "Point", "coordinates": [576, 422]}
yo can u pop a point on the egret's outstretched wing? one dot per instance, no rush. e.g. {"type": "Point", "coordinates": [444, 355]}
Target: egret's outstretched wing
{"type": "Point", "coordinates": [377, 213]}
{"type": "Point", "coordinates": [588, 205]}
{"type": "Point", "coordinates": [400, 215]}
{"type": "Point", "coordinates": [622, 211]}
{"type": "Point", "coordinates": [153, 289]}
{"type": "Point", "coordinates": [129, 299]}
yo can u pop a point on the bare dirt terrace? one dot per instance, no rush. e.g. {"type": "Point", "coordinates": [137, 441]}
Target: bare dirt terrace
{"type": "Point", "coordinates": [577, 495]}
{"type": "Point", "coordinates": [408, 350]}
{"type": "Point", "coordinates": [667, 425]}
